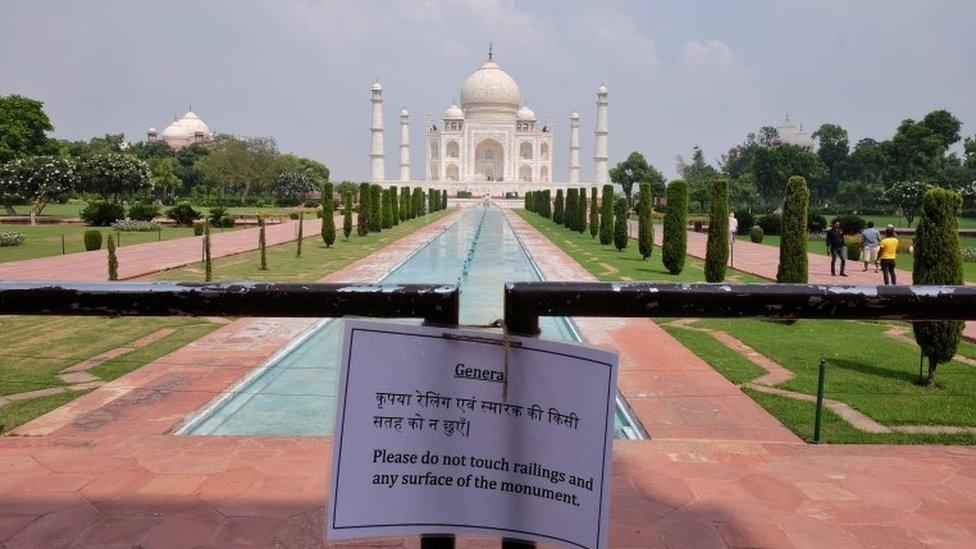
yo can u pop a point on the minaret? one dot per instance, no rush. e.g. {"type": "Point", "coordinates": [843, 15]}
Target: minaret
{"type": "Point", "coordinates": [377, 158]}
{"type": "Point", "coordinates": [404, 145]}
{"type": "Point", "coordinates": [574, 149]}
{"type": "Point", "coordinates": [601, 156]}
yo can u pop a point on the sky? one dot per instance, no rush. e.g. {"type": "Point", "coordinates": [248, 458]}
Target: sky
{"type": "Point", "coordinates": [680, 74]}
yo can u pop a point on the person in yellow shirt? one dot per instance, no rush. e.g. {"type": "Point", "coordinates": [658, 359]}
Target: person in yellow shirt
{"type": "Point", "coordinates": [889, 250]}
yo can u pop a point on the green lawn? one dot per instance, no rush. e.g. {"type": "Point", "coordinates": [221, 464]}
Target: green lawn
{"type": "Point", "coordinates": [866, 369]}
{"type": "Point", "coordinates": [900, 221]}
{"type": "Point", "coordinates": [45, 240]}
{"type": "Point", "coordinates": [316, 262]}
{"type": "Point", "coordinates": [609, 265]}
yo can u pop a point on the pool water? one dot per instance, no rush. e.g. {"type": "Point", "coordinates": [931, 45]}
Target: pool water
{"type": "Point", "coordinates": [295, 393]}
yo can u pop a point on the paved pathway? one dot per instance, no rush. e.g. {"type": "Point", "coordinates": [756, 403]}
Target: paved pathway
{"type": "Point", "coordinates": [142, 259]}
{"type": "Point", "coordinates": [111, 475]}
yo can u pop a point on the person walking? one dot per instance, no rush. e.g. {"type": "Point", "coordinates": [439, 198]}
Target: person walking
{"type": "Point", "coordinates": [835, 245]}
{"type": "Point", "coordinates": [870, 244]}
{"type": "Point", "coordinates": [889, 251]}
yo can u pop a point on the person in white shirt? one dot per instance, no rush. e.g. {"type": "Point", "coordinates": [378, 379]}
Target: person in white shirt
{"type": "Point", "coordinates": [733, 227]}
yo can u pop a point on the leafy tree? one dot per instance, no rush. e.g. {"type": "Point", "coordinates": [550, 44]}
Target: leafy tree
{"type": "Point", "coordinates": [293, 187]}
{"type": "Point", "coordinates": [114, 176]}
{"type": "Point", "coordinates": [328, 217]}
{"type": "Point", "coordinates": [347, 215]}
{"type": "Point", "coordinates": [635, 170]}
{"type": "Point", "coordinates": [594, 213]}
{"type": "Point", "coordinates": [606, 216]}
{"type": "Point", "coordinates": [241, 166]}
{"type": "Point", "coordinates": [645, 227]}
{"type": "Point", "coordinates": [744, 195]}
{"type": "Point", "coordinates": [771, 167]}
{"type": "Point", "coordinates": [23, 128]}
{"type": "Point", "coordinates": [938, 261]}
{"type": "Point", "coordinates": [867, 162]}
{"type": "Point", "coordinates": [738, 161]}
{"type": "Point", "coordinates": [38, 180]}
{"type": "Point", "coordinates": [163, 176]}
{"type": "Point", "coordinates": [314, 170]}
{"type": "Point", "coordinates": [834, 148]}
{"type": "Point", "coordinates": [917, 151]}
{"type": "Point", "coordinates": [717, 247]}
{"type": "Point", "coordinates": [859, 193]}
{"type": "Point", "coordinates": [362, 217]}
{"type": "Point", "coordinates": [620, 236]}
{"type": "Point", "coordinates": [793, 265]}
{"type": "Point", "coordinates": [908, 196]}
{"type": "Point", "coordinates": [557, 210]}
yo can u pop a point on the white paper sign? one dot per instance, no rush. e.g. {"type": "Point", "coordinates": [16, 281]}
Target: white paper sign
{"type": "Point", "coordinates": [425, 442]}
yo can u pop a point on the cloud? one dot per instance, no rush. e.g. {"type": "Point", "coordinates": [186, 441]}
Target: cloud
{"type": "Point", "coordinates": [710, 58]}
{"type": "Point", "coordinates": [617, 34]}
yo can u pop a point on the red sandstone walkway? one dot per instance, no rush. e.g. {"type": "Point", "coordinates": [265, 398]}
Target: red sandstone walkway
{"type": "Point", "coordinates": [112, 476]}
{"type": "Point", "coordinates": [142, 259]}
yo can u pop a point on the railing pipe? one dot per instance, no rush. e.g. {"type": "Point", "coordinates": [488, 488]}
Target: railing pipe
{"type": "Point", "coordinates": [525, 302]}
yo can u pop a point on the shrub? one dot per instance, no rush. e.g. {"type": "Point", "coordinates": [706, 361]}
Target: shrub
{"type": "Point", "coordinates": [606, 216]}
{"type": "Point", "coordinates": [463, 194]}
{"type": "Point", "coordinates": [113, 260]}
{"type": "Point", "coordinates": [183, 214]}
{"type": "Point", "coordinates": [594, 213]}
{"type": "Point", "coordinates": [938, 261]}
{"type": "Point", "coordinates": [853, 244]}
{"type": "Point", "coordinates": [850, 223]}
{"type": "Point", "coordinates": [102, 214]}
{"type": "Point", "coordinates": [11, 238]}
{"type": "Point", "coordinates": [746, 220]}
{"type": "Point", "coordinates": [198, 227]}
{"type": "Point", "coordinates": [511, 194]}
{"type": "Point", "coordinates": [675, 244]}
{"type": "Point", "coordinates": [220, 218]}
{"type": "Point", "coordinates": [293, 216]}
{"type": "Point", "coordinates": [756, 234]}
{"type": "Point", "coordinates": [130, 226]}
{"type": "Point", "coordinates": [645, 224]}
{"type": "Point", "coordinates": [620, 236]}
{"type": "Point", "coordinates": [816, 223]}
{"type": "Point", "coordinates": [968, 253]}
{"type": "Point", "coordinates": [93, 240]}
{"type": "Point", "coordinates": [717, 247]}
{"type": "Point", "coordinates": [328, 217]}
{"type": "Point", "coordinates": [142, 211]}
{"type": "Point", "coordinates": [557, 209]}
{"type": "Point", "coordinates": [793, 262]}
{"type": "Point", "coordinates": [770, 223]}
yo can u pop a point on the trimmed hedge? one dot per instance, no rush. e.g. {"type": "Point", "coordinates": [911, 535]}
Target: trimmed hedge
{"type": "Point", "coordinates": [756, 234]}
{"type": "Point", "coordinates": [675, 244]}
{"type": "Point", "coordinates": [130, 226]}
{"type": "Point", "coordinates": [141, 211]}
{"type": "Point", "coordinates": [183, 214]}
{"type": "Point", "coordinates": [103, 214]}
{"type": "Point", "coordinates": [746, 220]}
{"type": "Point", "coordinates": [793, 262]}
{"type": "Point", "coordinates": [771, 223]}
{"type": "Point", "coordinates": [717, 247]}
{"type": "Point", "coordinates": [93, 240]}
{"type": "Point", "coordinates": [816, 223]}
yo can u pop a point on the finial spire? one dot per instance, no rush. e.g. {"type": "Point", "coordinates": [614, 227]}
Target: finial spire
{"type": "Point", "coordinates": [490, 54]}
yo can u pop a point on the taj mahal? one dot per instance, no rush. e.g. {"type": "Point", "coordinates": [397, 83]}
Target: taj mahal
{"type": "Point", "coordinates": [491, 143]}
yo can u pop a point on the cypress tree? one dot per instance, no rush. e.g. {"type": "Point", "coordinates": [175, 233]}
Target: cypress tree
{"type": "Point", "coordinates": [717, 248]}
{"type": "Point", "coordinates": [375, 208]}
{"type": "Point", "coordinates": [525, 201]}
{"type": "Point", "coordinates": [328, 217]}
{"type": "Point", "coordinates": [301, 234]}
{"type": "Point", "coordinates": [937, 260]}
{"type": "Point", "coordinates": [547, 204]}
{"type": "Point", "coordinates": [432, 199]}
{"type": "Point", "coordinates": [594, 213]}
{"type": "Point", "coordinates": [395, 204]}
{"type": "Point", "coordinates": [569, 210]}
{"type": "Point", "coordinates": [418, 202]}
{"type": "Point", "coordinates": [404, 206]}
{"type": "Point", "coordinates": [675, 238]}
{"type": "Point", "coordinates": [362, 216]}
{"type": "Point", "coordinates": [347, 215]}
{"type": "Point", "coordinates": [793, 235]}
{"type": "Point", "coordinates": [558, 208]}
{"type": "Point", "coordinates": [262, 243]}
{"type": "Point", "coordinates": [645, 224]}
{"type": "Point", "coordinates": [207, 258]}
{"type": "Point", "coordinates": [606, 216]}
{"type": "Point", "coordinates": [387, 214]}
{"type": "Point", "coordinates": [620, 237]}
{"type": "Point", "coordinates": [113, 260]}
{"type": "Point", "coordinates": [443, 199]}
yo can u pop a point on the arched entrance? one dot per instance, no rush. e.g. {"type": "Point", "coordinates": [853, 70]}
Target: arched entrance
{"type": "Point", "coordinates": [489, 161]}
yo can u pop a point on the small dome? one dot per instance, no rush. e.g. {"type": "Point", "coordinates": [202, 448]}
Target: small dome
{"type": "Point", "coordinates": [151, 129]}
{"type": "Point", "coordinates": [404, 113]}
{"type": "Point", "coordinates": [789, 134]}
{"type": "Point", "coordinates": [454, 113]}
{"type": "Point", "coordinates": [377, 87]}
{"type": "Point", "coordinates": [490, 88]}
{"type": "Point", "coordinates": [184, 130]}
{"type": "Point", "coordinates": [525, 114]}
{"type": "Point", "coordinates": [575, 116]}
{"type": "Point", "coordinates": [602, 89]}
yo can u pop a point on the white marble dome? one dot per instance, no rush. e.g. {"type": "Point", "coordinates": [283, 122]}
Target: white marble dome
{"type": "Point", "coordinates": [453, 113]}
{"type": "Point", "coordinates": [490, 89]}
{"type": "Point", "coordinates": [188, 129]}
{"type": "Point", "coordinates": [525, 114]}
{"type": "Point", "coordinates": [789, 134]}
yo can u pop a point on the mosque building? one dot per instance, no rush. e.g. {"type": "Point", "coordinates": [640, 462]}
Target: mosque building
{"type": "Point", "coordinates": [183, 132]}
{"type": "Point", "coordinates": [789, 134]}
{"type": "Point", "coordinates": [492, 143]}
